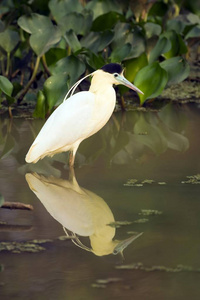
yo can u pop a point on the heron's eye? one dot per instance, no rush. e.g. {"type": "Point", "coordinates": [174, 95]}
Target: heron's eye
{"type": "Point", "coordinates": [115, 75]}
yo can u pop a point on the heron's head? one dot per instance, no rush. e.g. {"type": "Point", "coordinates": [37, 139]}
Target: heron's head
{"type": "Point", "coordinates": [114, 74]}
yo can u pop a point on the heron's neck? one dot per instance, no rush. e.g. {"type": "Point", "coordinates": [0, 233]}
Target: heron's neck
{"type": "Point", "coordinates": [100, 84]}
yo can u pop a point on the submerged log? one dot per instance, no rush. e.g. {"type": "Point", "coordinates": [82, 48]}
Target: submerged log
{"type": "Point", "coordinates": [17, 205]}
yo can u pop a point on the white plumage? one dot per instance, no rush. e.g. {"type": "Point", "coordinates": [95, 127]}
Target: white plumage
{"type": "Point", "coordinates": [80, 116]}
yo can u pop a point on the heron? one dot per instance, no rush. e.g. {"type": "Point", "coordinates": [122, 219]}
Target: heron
{"type": "Point", "coordinates": [80, 115]}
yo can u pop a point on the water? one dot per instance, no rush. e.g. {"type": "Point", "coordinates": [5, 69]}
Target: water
{"type": "Point", "coordinates": [133, 173]}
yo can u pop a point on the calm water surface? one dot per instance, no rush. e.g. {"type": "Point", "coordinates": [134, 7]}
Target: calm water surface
{"type": "Point", "coordinates": [130, 192]}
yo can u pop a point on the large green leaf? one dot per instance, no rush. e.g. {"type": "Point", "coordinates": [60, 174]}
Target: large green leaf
{"type": "Point", "coordinates": [137, 40]}
{"type": "Point", "coordinates": [80, 23]}
{"type": "Point", "coordinates": [100, 7]}
{"type": "Point", "coordinates": [107, 21]}
{"type": "Point", "coordinates": [59, 8]}
{"type": "Point", "coordinates": [177, 69]}
{"type": "Point", "coordinates": [96, 41]}
{"type": "Point", "coordinates": [178, 46]}
{"type": "Point", "coordinates": [9, 39]}
{"type": "Point", "coordinates": [72, 41]}
{"type": "Point", "coordinates": [134, 65]}
{"type": "Point", "coordinates": [194, 32]}
{"type": "Point", "coordinates": [55, 54]}
{"type": "Point", "coordinates": [70, 65]}
{"type": "Point", "coordinates": [34, 23]}
{"type": "Point", "coordinates": [152, 29]}
{"type": "Point", "coordinates": [43, 33]}
{"type": "Point", "coordinates": [162, 46]}
{"type": "Point", "coordinates": [93, 60]}
{"type": "Point", "coordinates": [118, 54]}
{"type": "Point", "coordinates": [55, 89]}
{"type": "Point", "coordinates": [5, 85]}
{"type": "Point", "coordinates": [151, 79]}
{"type": "Point", "coordinates": [176, 25]}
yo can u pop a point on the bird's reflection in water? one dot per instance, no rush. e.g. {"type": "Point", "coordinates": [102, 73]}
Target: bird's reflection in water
{"type": "Point", "coordinates": [80, 211]}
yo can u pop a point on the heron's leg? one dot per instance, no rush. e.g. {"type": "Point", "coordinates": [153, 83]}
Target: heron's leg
{"type": "Point", "coordinates": [71, 159]}
{"type": "Point", "coordinates": [72, 155]}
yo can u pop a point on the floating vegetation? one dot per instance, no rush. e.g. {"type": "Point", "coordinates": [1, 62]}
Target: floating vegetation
{"type": "Point", "coordinates": [192, 179]}
{"type": "Point", "coordinates": [101, 283]}
{"type": "Point", "coordinates": [141, 221]}
{"type": "Point", "coordinates": [150, 212]}
{"type": "Point", "coordinates": [135, 182]}
{"type": "Point", "coordinates": [140, 266]}
{"type": "Point", "coordinates": [32, 246]}
{"type": "Point", "coordinates": [19, 247]}
{"type": "Point", "coordinates": [118, 224]}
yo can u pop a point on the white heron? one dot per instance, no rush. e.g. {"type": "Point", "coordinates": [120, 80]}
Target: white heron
{"type": "Point", "coordinates": [80, 116]}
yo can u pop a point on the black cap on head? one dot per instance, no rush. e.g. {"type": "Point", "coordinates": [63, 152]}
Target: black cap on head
{"type": "Point", "coordinates": [112, 68]}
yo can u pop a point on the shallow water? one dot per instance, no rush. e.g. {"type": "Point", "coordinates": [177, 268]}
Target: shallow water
{"type": "Point", "coordinates": [131, 175]}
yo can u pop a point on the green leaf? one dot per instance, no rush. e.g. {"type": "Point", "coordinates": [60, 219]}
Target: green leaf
{"type": "Point", "coordinates": [151, 79]}
{"type": "Point", "coordinates": [106, 21]}
{"type": "Point", "coordinates": [93, 60]}
{"type": "Point", "coordinates": [43, 33]}
{"type": "Point", "coordinates": [176, 25]}
{"type": "Point", "coordinates": [9, 39]}
{"type": "Point", "coordinates": [152, 29]}
{"type": "Point", "coordinates": [118, 54]}
{"type": "Point", "coordinates": [70, 65]}
{"type": "Point", "coordinates": [194, 19]}
{"type": "Point", "coordinates": [55, 54]}
{"type": "Point", "coordinates": [177, 69]}
{"type": "Point", "coordinates": [55, 89]}
{"type": "Point", "coordinates": [80, 23]}
{"type": "Point", "coordinates": [137, 40]}
{"type": "Point", "coordinates": [5, 85]}
{"type": "Point", "coordinates": [194, 32]}
{"type": "Point", "coordinates": [59, 8]}
{"type": "Point", "coordinates": [96, 41]}
{"type": "Point", "coordinates": [72, 41]}
{"type": "Point", "coordinates": [133, 66]}
{"type": "Point", "coordinates": [40, 108]}
{"type": "Point", "coordinates": [177, 44]}
{"type": "Point", "coordinates": [100, 7]}
{"type": "Point", "coordinates": [159, 8]}
{"type": "Point", "coordinates": [163, 45]}
{"type": "Point", "coordinates": [34, 23]}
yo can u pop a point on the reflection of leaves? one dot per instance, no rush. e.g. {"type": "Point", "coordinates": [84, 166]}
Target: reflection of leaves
{"type": "Point", "coordinates": [1, 200]}
{"type": "Point", "coordinates": [8, 146]}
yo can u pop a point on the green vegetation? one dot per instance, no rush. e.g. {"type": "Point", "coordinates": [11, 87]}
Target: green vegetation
{"type": "Point", "coordinates": [45, 46]}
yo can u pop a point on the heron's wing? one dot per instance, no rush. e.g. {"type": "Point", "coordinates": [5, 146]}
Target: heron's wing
{"type": "Point", "coordinates": [69, 123]}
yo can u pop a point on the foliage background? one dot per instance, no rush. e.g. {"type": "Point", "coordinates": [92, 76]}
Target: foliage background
{"type": "Point", "coordinates": [46, 46]}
